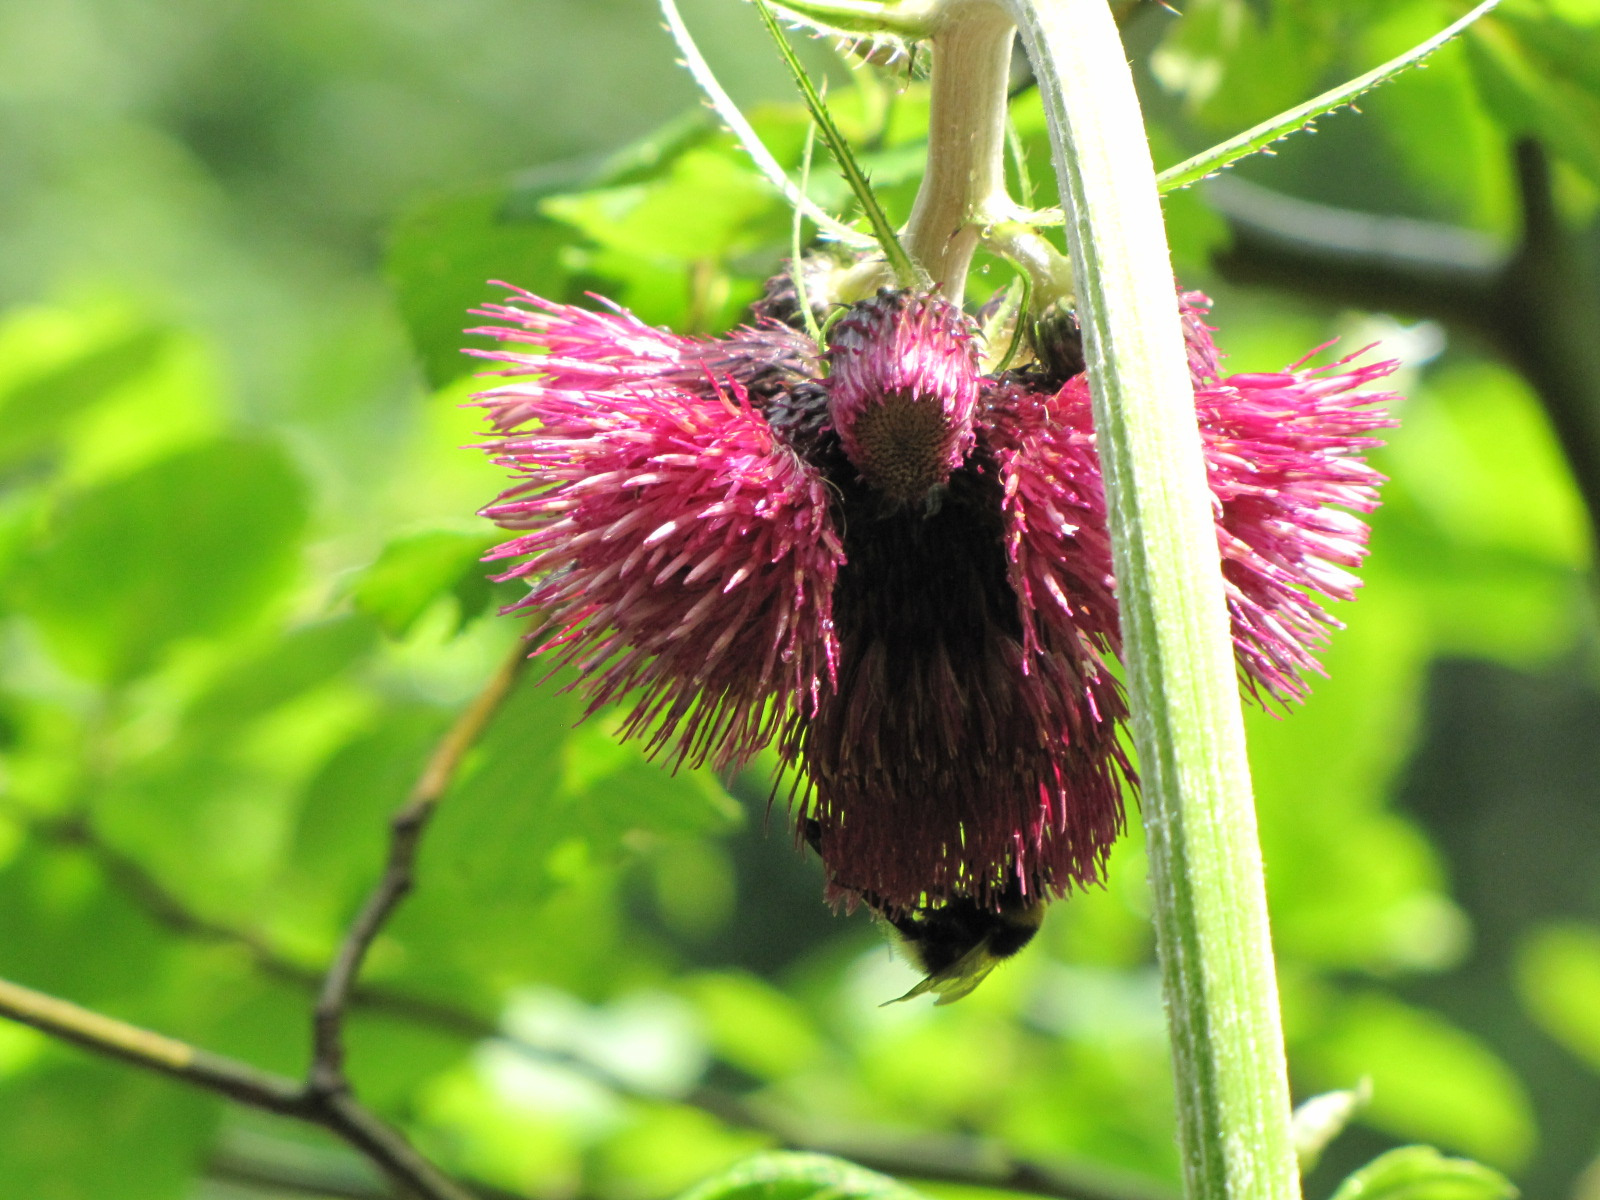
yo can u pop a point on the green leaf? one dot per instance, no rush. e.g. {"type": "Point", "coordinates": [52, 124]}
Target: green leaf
{"type": "Point", "coordinates": [416, 569]}
{"type": "Point", "coordinates": [1558, 979]}
{"type": "Point", "coordinates": [1430, 1078]}
{"type": "Point", "coordinates": [754, 1026]}
{"type": "Point", "coordinates": [1319, 1120]}
{"type": "Point", "coordinates": [293, 663]}
{"type": "Point", "coordinates": [702, 215]}
{"type": "Point", "coordinates": [1422, 1173]}
{"type": "Point", "coordinates": [737, 124]}
{"type": "Point", "coordinates": [668, 1147]}
{"type": "Point", "coordinates": [442, 255]}
{"type": "Point", "coordinates": [444, 252]}
{"type": "Point", "coordinates": [343, 829]}
{"type": "Point", "coordinates": [191, 546]}
{"type": "Point", "coordinates": [34, 412]}
{"type": "Point", "coordinates": [792, 1176]}
{"type": "Point", "coordinates": [149, 1136]}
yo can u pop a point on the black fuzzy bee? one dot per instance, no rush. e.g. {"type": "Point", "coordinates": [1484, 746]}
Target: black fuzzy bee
{"type": "Point", "coordinates": [954, 943]}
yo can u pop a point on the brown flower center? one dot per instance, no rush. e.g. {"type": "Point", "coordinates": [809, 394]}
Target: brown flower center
{"type": "Point", "coordinates": [904, 445]}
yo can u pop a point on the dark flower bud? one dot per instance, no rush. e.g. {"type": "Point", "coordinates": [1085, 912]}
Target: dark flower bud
{"type": "Point", "coordinates": [1057, 341]}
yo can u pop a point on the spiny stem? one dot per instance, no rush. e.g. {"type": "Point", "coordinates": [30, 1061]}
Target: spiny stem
{"type": "Point", "coordinates": [871, 18]}
{"type": "Point", "coordinates": [1281, 126]}
{"type": "Point", "coordinates": [907, 272]}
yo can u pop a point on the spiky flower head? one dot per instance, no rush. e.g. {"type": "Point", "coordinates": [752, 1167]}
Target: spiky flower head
{"type": "Point", "coordinates": [895, 569]}
{"type": "Point", "coordinates": [683, 553]}
{"type": "Point", "coordinates": [902, 390]}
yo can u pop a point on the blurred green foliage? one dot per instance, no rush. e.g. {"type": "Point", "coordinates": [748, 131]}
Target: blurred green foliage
{"type": "Point", "coordinates": [242, 600]}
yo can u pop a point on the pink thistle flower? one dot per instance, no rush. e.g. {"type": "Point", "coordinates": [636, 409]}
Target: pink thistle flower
{"type": "Point", "coordinates": [895, 570]}
{"type": "Point", "coordinates": [683, 552]}
{"type": "Point", "coordinates": [1283, 457]}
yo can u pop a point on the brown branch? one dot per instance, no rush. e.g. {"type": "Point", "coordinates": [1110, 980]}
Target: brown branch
{"type": "Point", "coordinates": [969, 1161]}
{"type": "Point", "coordinates": [340, 1115]}
{"type": "Point", "coordinates": [1546, 319]}
{"type": "Point", "coordinates": [138, 884]}
{"type": "Point", "coordinates": [1381, 263]}
{"type": "Point", "coordinates": [325, 1098]}
{"type": "Point", "coordinates": [117, 1039]}
{"type": "Point", "coordinates": [405, 828]}
{"type": "Point", "coordinates": [1537, 304]}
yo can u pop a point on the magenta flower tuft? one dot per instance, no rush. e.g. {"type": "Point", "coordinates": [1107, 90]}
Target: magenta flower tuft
{"type": "Point", "coordinates": [902, 392]}
{"type": "Point", "coordinates": [894, 569]}
{"type": "Point", "coordinates": [683, 551]}
{"type": "Point", "coordinates": [1283, 456]}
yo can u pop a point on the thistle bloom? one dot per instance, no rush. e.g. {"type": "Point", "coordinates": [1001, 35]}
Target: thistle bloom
{"type": "Point", "coordinates": [895, 569]}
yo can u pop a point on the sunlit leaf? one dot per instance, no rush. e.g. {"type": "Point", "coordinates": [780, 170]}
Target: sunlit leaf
{"type": "Point", "coordinates": [187, 547]}
{"type": "Point", "coordinates": [1430, 1078]}
{"type": "Point", "coordinates": [37, 410]}
{"type": "Point", "coordinates": [1422, 1173]}
{"type": "Point", "coordinates": [789, 1176]}
{"type": "Point", "coordinates": [1558, 981]}
{"type": "Point", "coordinates": [417, 569]}
{"type": "Point", "coordinates": [1538, 77]}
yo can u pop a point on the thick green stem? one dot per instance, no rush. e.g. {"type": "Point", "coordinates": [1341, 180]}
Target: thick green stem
{"type": "Point", "coordinates": [965, 178]}
{"type": "Point", "coordinates": [1205, 860]}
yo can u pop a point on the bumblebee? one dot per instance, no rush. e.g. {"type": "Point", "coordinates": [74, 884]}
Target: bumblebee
{"type": "Point", "coordinates": [955, 943]}
{"type": "Point", "coordinates": [958, 943]}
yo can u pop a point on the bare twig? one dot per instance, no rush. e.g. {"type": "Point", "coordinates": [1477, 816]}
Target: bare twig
{"type": "Point", "coordinates": [324, 1099]}
{"type": "Point", "coordinates": [1537, 303]}
{"type": "Point", "coordinates": [117, 1039]}
{"type": "Point", "coordinates": [135, 882]}
{"type": "Point", "coordinates": [341, 1115]}
{"type": "Point", "coordinates": [327, 1063]}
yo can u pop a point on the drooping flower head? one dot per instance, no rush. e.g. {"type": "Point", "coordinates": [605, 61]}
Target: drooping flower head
{"type": "Point", "coordinates": [895, 570]}
{"type": "Point", "coordinates": [902, 391]}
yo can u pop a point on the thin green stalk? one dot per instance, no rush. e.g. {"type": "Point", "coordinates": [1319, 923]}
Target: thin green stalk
{"type": "Point", "coordinates": [1205, 860]}
{"type": "Point", "coordinates": [797, 262]}
{"type": "Point", "coordinates": [907, 273]}
{"type": "Point", "coordinates": [1300, 117]}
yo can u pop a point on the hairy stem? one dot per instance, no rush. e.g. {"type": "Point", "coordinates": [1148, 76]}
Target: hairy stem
{"type": "Point", "coordinates": [965, 176]}
{"type": "Point", "coordinates": [1205, 860]}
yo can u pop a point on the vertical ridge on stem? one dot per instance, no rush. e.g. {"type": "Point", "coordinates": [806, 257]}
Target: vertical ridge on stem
{"type": "Point", "coordinates": [1205, 858]}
